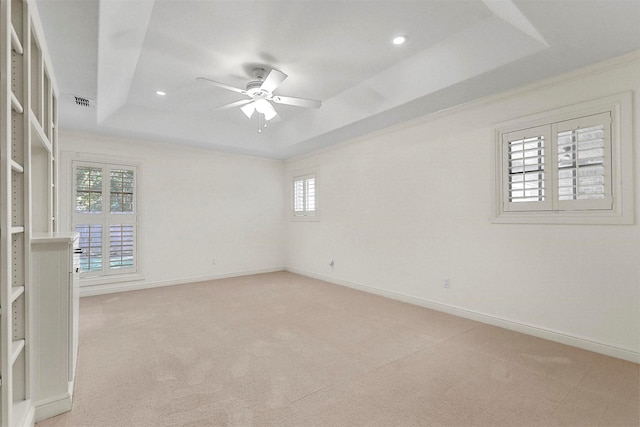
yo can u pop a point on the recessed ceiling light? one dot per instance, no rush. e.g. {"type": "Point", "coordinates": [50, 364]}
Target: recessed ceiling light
{"type": "Point", "coordinates": [160, 93]}
{"type": "Point", "coordinates": [399, 39]}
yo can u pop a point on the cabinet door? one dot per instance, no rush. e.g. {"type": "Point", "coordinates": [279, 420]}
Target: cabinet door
{"type": "Point", "coordinates": [55, 297]}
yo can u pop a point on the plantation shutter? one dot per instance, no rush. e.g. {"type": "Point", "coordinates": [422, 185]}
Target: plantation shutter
{"type": "Point", "coordinates": [584, 163]}
{"type": "Point", "coordinates": [298, 196]}
{"type": "Point", "coordinates": [310, 191]}
{"type": "Point", "coordinates": [90, 242]}
{"type": "Point", "coordinates": [304, 195]}
{"type": "Point", "coordinates": [527, 172]}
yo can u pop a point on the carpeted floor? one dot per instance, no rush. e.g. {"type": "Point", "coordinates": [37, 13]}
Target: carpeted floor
{"type": "Point", "coordinates": [284, 350]}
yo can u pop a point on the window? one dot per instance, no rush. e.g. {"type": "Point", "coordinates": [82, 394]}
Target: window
{"type": "Point", "coordinates": [304, 196]}
{"type": "Point", "coordinates": [566, 166]}
{"type": "Point", "coordinates": [104, 215]}
{"type": "Point", "coordinates": [560, 166]}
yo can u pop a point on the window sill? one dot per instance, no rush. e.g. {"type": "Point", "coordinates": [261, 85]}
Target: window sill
{"type": "Point", "coordinates": [564, 217]}
{"type": "Point", "coordinates": [309, 218]}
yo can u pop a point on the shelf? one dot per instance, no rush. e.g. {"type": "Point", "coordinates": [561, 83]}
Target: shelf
{"type": "Point", "coordinates": [28, 97]}
{"type": "Point", "coordinates": [16, 230]}
{"type": "Point", "coordinates": [15, 104]}
{"type": "Point", "coordinates": [40, 135]}
{"type": "Point", "coordinates": [16, 291]}
{"type": "Point", "coordinates": [15, 41]}
{"type": "Point", "coordinates": [54, 237]}
{"type": "Point", "coordinates": [16, 348]}
{"type": "Point", "coordinates": [16, 167]}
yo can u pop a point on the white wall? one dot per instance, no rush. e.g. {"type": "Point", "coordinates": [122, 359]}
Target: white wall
{"type": "Point", "coordinates": [399, 211]}
{"type": "Point", "coordinates": [196, 205]}
{"type": "Point", "coordinates": [404, 208]}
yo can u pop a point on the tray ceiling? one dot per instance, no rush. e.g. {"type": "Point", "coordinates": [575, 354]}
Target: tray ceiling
{"type": "Point", "coordinates": [118, 53]}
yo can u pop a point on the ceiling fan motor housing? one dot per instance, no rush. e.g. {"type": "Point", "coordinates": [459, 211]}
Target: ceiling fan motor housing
{"type": "Point", "coordinates": [254, 90]}
{"type": "Point", "coordinates": [259, 73]}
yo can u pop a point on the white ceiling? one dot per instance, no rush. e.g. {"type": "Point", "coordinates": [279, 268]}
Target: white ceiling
{"type": "Point", "coordinates": [119, 52]}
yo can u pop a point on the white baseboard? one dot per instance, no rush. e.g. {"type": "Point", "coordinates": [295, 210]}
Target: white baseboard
{"type": "Point", "coordinates": [560, 337]}
{"type": "Point", "coordinates": [86, 291]}
{"type": "Point", "coordinates": [52, 406]}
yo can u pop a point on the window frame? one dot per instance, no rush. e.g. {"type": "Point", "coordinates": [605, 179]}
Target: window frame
{"type": "Point", "coordinates": [106, 218]}
{"type": "Point", "coordinates": [620, 167]}
{"type": "Point", "coordinates": [305, 214]}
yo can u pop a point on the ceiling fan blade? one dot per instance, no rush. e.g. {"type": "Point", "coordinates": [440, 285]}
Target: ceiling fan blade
{"type": "Point", "coordinates": [232, 105]}
{"type": "Point", "coordinates": [297, 102]}
{"type": "Point", "coordinates": [223, 86]}
{"type": "Point", "coordinates": [273, 80]}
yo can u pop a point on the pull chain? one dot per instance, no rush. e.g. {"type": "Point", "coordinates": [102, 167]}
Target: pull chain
{"type": "Point", "coordinates": [260, 120]}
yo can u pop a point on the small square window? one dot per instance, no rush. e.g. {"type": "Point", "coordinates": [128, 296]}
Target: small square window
{"type": "Point", "coordinates": [566, 166]}
{"type": "Point", "coordinates": [305, 198]}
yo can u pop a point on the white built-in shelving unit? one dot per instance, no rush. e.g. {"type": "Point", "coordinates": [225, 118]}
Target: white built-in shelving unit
{"type": "Point", "coordinates": [28, 144]}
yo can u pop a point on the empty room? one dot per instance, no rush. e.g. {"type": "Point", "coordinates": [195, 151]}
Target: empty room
{"type": "Point", "coordinates": [319, 213]}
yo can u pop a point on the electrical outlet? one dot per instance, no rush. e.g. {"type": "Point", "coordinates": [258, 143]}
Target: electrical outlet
{"type": "Point", "coordinates": [213, 261]}
{"type": "Point", "coordinates": [446, 283]}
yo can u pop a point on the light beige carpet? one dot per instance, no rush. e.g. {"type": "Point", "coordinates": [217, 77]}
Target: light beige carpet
{"type": "Point", "coordinates": [284, 350]}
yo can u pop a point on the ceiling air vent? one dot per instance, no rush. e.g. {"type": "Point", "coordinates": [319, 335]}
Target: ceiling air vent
{"type": "Point", "coordinates": [82, 102]}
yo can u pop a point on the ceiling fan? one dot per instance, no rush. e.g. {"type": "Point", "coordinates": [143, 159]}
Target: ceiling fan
{"type": "Point", "coordinates": [260, 95]}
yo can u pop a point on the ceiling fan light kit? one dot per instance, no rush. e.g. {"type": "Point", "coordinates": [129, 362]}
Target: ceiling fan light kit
{"type": "Point", "coordinates": [260, 94]}
{"type": "Point", "coordinates": [248, 109]}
